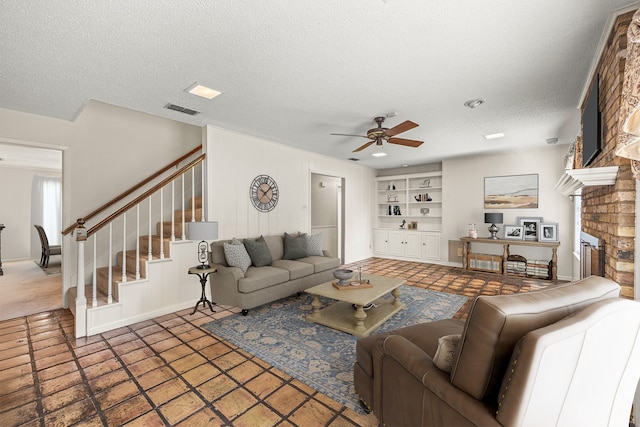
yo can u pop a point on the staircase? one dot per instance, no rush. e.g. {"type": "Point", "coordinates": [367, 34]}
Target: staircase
{"type": "Point", "coordinates": [147, 276]}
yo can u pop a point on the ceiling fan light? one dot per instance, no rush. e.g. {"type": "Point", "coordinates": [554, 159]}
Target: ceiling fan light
{"type": "Point", "coordinates": [379, 154]}
{"type": "Point", "coordinates": [474, 103]}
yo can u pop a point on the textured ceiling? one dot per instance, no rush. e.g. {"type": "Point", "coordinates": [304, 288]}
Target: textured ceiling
{"type": "Point", "coordinates": [296, 71]}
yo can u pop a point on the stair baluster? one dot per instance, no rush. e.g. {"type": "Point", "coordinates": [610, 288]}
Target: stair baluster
{"type": "Point", "coordinates": [110, 274]}
{"type": "Point", "coordinates": [94, 302]}
{"type": "Point", "coordinates": [202, 181]}
{"type": "Point", "coordinates": [138, 241]}
{"type": "Point", "coordinates": [150, 257]}
{"type": "Point", "coordinates": [124, 247]}
{"type": "Point", "coordinates": [182, 216]}
{"type": "Point", "coordinates": [193, 195]}
{"type": "Point", "coordinates": [161, 223]}
{"type": "Point", "coordinates": [173, 212]}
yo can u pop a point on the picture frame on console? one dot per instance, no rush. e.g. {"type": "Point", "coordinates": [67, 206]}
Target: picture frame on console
{"type": "Point", "coordinates": [514, 232]}
{"type": "Point", "coordinates": [531, 226]}
{"type": "Point", "coordinates": [548, 232]}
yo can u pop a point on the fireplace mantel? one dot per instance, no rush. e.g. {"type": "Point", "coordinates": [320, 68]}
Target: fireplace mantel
{"type": "Point", "coordinates": [573, 180]}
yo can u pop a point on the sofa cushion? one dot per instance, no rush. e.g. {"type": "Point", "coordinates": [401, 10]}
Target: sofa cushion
{"type": "Point", "coordinates": [321, 263]}
{"type": "Point", "coordinates": [275, 245]}
{"type": "Point", "coordinates": [217, 252]}
{"type": "Point", "coordinates": [496, 323]}
{"type": "Point", "coordinates": [258, 251]}
{"type": "Point", "coordinates": [237, 255]}
{"type": "Point", "coordinates": [257, 278]}
{"type": "Point", "coordinates": [314, 244]}
{"type": "Point", "coordinates": [296, 269]}
{"type": "Point", "coordinates": [446, 352]}
{"type": "Point", "coordinates": [295, 247]}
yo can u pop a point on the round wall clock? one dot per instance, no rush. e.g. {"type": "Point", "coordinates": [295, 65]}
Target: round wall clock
{"type": "Point", "coordinates": [264, 193]}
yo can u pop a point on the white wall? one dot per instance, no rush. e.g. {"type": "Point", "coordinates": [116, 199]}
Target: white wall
{"type": "Point", "coordinates": [19, 239]}
{"type": "Point", "coordinates": [235, 159]}
{"type": "Point", "coordinates": [463, 199]}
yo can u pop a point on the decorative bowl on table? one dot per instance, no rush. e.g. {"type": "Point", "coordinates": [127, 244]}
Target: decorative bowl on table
{"type": "Point", "coordinates": [343, 275]}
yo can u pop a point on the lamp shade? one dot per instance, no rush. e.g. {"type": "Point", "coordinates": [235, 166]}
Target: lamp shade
{"type": "Point", "coordinates": [202, 230]}
{"type": "Point", "coordinates": [493, 218]}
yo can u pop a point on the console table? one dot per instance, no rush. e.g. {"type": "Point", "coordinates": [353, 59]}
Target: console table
{"type": "Point", "coordinates": [466, 250]}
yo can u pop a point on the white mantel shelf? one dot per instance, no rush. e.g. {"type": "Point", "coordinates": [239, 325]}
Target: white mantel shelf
{"type": "Point", "coordinates": [573, 180]}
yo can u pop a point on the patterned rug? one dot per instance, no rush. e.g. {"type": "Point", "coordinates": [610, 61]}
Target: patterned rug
{"type": "Point", "coordinates": [318, 356]}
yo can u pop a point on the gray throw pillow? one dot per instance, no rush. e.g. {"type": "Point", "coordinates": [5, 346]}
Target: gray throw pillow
{"type": "Point", "coordinates": [314, 244]}
{"type": "Point", "coordinates": [258, 251]}
{"type": "Point", "coordinates": [295, 247]}
{"type": "Point", "coordinates": [446, 352]}
{"type": "Point", "coordinates": [237, 255]}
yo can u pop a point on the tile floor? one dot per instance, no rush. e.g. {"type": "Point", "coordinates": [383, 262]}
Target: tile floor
{"type": "Point", "coordinates": [169, 371]}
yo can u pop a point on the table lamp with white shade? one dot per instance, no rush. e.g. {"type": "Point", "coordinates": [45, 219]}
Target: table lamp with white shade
{"type": "Point", "coordinates": [203, 231]}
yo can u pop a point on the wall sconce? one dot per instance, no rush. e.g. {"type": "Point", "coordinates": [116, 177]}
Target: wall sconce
{"type": "Point", "coordinates": [202, 231]}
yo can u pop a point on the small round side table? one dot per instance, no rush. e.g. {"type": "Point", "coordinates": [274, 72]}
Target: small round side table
{"type": "Point", "coordinates": [203, 274]}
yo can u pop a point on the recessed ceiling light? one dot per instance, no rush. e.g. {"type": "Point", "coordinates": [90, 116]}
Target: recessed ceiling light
{"type": "Point", "coordinates": [202, 91]}
{"type": "Point", "coordinates": [405, 166]}
{"type": "Point", "coordinates": [494, 135]}
{"type": "Point", "coordinates": [473, 103]}
{"type": "Point", "coordinates": [379, 154]}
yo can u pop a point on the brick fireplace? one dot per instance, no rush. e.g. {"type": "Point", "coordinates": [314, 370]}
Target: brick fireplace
{"type": "Point", "coordinates": [608, 212]}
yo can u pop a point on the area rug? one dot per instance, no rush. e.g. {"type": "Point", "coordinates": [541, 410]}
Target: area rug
{"type": "Point", "coordinates": [318, 356]}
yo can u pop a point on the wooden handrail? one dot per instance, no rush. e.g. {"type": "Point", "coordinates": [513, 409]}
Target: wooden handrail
{"type": "Point", "coordinates": [144, 195]}
{"type": "Point", "coordinates": [132, 189]}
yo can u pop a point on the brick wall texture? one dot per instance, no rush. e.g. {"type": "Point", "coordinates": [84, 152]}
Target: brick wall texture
{"type": "Point", "coordinates": [608, 212]}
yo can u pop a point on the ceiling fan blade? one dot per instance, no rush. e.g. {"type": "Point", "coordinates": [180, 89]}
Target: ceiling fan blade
{"type": "Point", "coordinates": [407, 142]}
{"type": "Point", "coordinates": [402, 127]}
{"type": "Point", "coordinates": [348, 134]}
{"type": "Point", "coordinates": [362, 147]}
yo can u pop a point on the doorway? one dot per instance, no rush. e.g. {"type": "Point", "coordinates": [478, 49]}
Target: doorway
{"type": "Point", "coordinates": [327, 212]}
{"type": "Point", "coordinates": [30, 184]}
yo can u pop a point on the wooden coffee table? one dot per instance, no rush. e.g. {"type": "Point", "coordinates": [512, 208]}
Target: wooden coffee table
{"type": "Point", "coordinates": [342, 316]}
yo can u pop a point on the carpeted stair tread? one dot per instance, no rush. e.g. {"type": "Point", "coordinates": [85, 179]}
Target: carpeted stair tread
{"type": "Point", "coordinates": [155, 244]}
{"type": "Point", "coordinates": [101, 297]}
{"type": "Point", "coordinates": [179, 214]}
{"type": "Point", "coordinates": [102, 279]}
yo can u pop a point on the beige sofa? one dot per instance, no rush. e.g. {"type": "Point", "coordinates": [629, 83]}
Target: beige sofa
{"type": "Point", "coordinates": [566, 355]}
{"type": "Point", "coordinates": [267, 283]}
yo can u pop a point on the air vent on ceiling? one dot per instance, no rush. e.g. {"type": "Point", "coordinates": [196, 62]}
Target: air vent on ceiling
{"type": "Point", "coordinates": [181, 109]}
{"type": "Point", "coordinates": [353, 159]}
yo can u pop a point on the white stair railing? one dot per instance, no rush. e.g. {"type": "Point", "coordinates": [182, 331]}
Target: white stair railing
{"type": "Point", "coordinates": [103, 247]}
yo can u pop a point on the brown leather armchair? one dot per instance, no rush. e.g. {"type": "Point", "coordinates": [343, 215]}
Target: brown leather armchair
{"type": "Point", "coordinates": [563, 370]}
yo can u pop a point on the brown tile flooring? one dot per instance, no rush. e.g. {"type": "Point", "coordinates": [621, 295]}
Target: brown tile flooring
{"type": "Point", "coordinates": [169, 371]}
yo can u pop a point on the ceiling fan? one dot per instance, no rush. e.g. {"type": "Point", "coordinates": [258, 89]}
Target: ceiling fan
{"type": "Point", "coordinates": [380, 134]}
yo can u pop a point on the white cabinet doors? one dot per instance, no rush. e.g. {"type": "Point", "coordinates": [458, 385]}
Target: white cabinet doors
{"type": "Point", "coordinates": [405, 244]}
{"type": "Point", "coordinates": [431, 246]}
{"type": "Point", "coordinates": [380, 241]}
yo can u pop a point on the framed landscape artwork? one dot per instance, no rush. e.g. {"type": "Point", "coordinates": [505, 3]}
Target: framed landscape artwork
{"type": "Point", "coordinates": [511, 192]}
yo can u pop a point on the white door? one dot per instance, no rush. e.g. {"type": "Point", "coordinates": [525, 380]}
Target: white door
{"type": "Point", "coordinates": [380, 241]}
{"type": "Point", "coordinates": [413, 245]}
{"type": "Point", "coordinates": [396, 243]}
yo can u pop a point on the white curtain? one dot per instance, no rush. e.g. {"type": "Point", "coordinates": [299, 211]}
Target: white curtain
{"type": "Point", "coordinates": [46, 207]}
